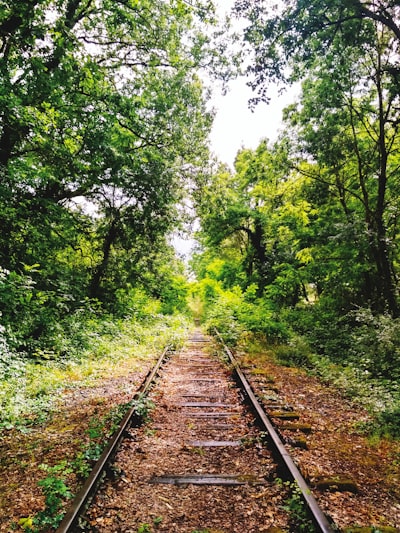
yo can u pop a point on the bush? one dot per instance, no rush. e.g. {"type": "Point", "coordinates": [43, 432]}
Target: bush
{"type": "Point", "coordinates": [233, 312]}
{"type": "Point", "coordinates": [10, 363]}
{"type": "Point", "coordinates": [296, 353]}
{"type": "Point", "coordinates": [135, 303]}
{"type": "Point", "coordinates": [29, 387]}
{"type": "Point", "coordinates": [327, 332]}
{"type": "Point", "coordinates": [258, 317]}
{"type": "Point", "coordinates": [223, 315]}
{"type": "Point", "coordinates": [375, 344]}
{"type": "Point", "coordinates": [387, 423]}
{"type": "Point", "coordinates": [368, 342]}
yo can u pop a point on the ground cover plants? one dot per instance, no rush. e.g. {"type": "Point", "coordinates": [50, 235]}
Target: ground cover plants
{"type": "Point", "coordinates": [341, 373]}
{"type": "Point", "coordinates": [28, 384]}
{"type": "Point", "coordinates": [362, 361]}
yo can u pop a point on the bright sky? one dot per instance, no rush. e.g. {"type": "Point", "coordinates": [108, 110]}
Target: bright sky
{"type": "Point", "coordinates": [236, 126]}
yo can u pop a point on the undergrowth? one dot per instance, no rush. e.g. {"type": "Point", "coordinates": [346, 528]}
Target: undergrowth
{"type": "Point", "coordinates": [379, 395]}
{"type": "Point", "coordinates": [296, 508]}
{"type": "Point", "coordinates": [29, 388]}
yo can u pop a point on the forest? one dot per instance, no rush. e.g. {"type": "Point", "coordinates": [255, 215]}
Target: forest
{"type": "Point", "coordinates": [105, 119]}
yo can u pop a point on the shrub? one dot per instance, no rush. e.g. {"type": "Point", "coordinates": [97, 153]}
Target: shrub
{"type": "Point", "coordinates": [28, 388]}
{"type": "Point", "coordinates": [327, 332]}
{"type": "Point", "coordinates": [233, 312]}
{"type": "Point", "coordinates": [295, 353]}
{"type": "Point", "coordinates": [223, 316]}
{"type": "Point", "coordinates": [375, 343]}
{"type": "Point", "coordinates": [134, 302]}
{"type": "Point", "coordinates": [387, 424]}
{"type": "Point", "coordinates": [258, 317]}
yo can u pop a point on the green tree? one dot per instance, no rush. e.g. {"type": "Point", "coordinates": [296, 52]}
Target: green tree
{"type": "Point", "coordinates": [102, 124]}
{"type": "Point", "coordinates": [347, 53]}
{"type": "Point", "coordinates": [258, 214]}
{"type": "Point", "coordinates": [348, 121]}
{"type": "Point", "coordinates": [287, 37]}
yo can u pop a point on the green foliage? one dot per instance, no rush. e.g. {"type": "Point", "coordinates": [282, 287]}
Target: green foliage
{"type": "Point", "coordinates": [135, 303]}
{"type": "Point", "coordinates": [368, 342]}
{"type": "Point", "coordinates": [98, 432]}
{"type": "Point", "coordinates": [222, 315]}
{"type": "Point", "coordinates": [385, 424]}
{"type": "Point", "coordinates": [295, 353]}
{"type": "Point", "coordinates": [233, 312]}
{"type": "Point", "coordinates": [362, 361]}
{"type": "Point", "coordinates": [143, 407]}
{"type": "Point", "coordinates": [96, 143]}
{"type": "Point", "coordinates": [260, 317]}
{"type": "Point", "coordinates": [319, 324]}
{"type": "Point", "coordinates": [23, 306]}
{"type": "Point", "coordinates": [209, 290]}
{"type": "Point", "coordinates": [28, 389]}
{"type": "Point", "coordinates": [375, 344]}
{"type": "Point", "coordinates": [56, 492]}
{"type": "Point", "coordinates": [10, 363]}
{"type": "Point", "coordinates": [28, 383]}
{"type": "Point", "coordinates": [174, 295]}
{"type": "Point", "coordinates": [246, 224]}
{"type": "Point", "coordinates": [287, 39]}
{"type": "Point", "coordinates": [144, 528]}
{"type": "Point", "coordinates": [297, 509]}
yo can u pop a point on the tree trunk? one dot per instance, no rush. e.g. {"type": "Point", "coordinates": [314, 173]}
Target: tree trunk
{"type": "Point", "coordinates": [260, 253]}
{"type": "Point", "coordinates": [100, 270]}
{"type": "Point", "coordinates": [385, 270]}
{"type": "Point", "coordinates": [385, 280]}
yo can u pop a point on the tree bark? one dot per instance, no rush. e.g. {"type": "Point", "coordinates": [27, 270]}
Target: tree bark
{"type": "Point", "coordinates": [100, 270]}
{"type": "Point", "coordinates": [387, 285]}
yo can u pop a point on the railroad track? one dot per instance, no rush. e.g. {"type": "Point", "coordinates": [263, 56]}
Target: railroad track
{"type": "Point", "coordinates": [208, 460]}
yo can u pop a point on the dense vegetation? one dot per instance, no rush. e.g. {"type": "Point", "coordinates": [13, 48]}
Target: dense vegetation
{"type": "Point", "coordinates": [103, 138]}
{"type": "Point", "coordinates": [103, 124]}
{"type": "Point", "coordinates": [300, 240]}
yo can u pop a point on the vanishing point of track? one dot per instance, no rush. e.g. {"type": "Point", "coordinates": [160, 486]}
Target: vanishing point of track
{"type": "Point", "coordinates": [209, 460]}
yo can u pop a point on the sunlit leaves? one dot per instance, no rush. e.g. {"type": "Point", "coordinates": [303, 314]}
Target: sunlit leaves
{"type": "Point", "coordinates": [259, 212]}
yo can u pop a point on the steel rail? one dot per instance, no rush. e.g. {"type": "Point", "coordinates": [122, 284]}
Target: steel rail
{"type": "Point", "coordinates": [318, 517]}
{"type": "Point", "coordinates": [91, 484]}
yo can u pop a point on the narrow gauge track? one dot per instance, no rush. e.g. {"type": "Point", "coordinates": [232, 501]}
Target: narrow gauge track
{"type": "Point", "coordinates": [203, 463]}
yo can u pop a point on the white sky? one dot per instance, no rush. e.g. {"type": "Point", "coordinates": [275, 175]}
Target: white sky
{"type": "Point", "coordinates": [236, 126]}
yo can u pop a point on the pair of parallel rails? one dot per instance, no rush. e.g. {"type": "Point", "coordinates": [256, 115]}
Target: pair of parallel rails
{"type": "Point", "coordinates": [285, 463]}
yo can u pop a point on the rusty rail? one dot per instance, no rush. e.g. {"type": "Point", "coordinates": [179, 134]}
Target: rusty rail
{"type": "Point", "coordinates": [91, 484]}
{"type": "Point", "coordinates": [317, 516]}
